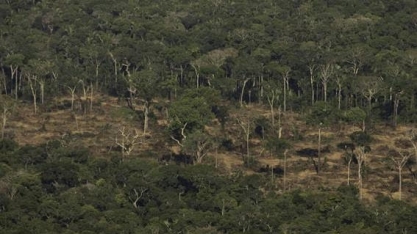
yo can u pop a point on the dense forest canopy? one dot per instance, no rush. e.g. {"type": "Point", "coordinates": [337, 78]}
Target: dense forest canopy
{"type": "Point", "coordinates": [332, 51]}
{"type": "Point", "coordinates": [333, 62]}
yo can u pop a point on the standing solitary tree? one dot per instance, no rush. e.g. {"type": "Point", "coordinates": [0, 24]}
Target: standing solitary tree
{"type": "Point", "coordinates": [400, 158]}
{"type": "Point", "coordinates": [348, 157]}
{"type": "Point", "coordinates": [361, 154]}
{"type": "Point", "coordinates": [326, 72]}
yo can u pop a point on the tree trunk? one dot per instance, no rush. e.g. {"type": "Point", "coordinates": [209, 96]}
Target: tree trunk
{"type": "Point", "coordinates": [369, 104]}
{"type": "Point", "coordinates": [97, 63]}
{"type": "Point", "coordinates": [311, 69]}
{"type": "Point", "coordinates": [32, 83]}
{"type": "Point", "coordinates": [114, 67]}
{"type": "Point", "coordinates": [146, 117]}
{"type": "Point", "coordinates": [360, 178]}
{"type": "Point", "coordinates": [279, 123]}
{"type": "Point", "coordinates": [246, 130]}
{"type": "Point", "coordinates": [285, 170]}
{"type": "Point", "coordinates": [326, 71]}
{"type": "Point", "coordinates": [42, 88]}
{"type": "Point", "coordinates": [197, 75]}
{"type": "Point", "coordinates": [400, 181]}
{"type": "Point", "coordinates": [261, 88]}
{"type": "Point", "coordinates": [395, 110]}
{"type": "Point", "coordinates": [319, 153]}
{"type": "Point", "coordinates": [339, 96]}
{"type": "Point", "coordinates": [271, 101]}
{"type": "Point", "coordinates": [14, 76]}
{"type": "Point", "coordinates": [247, 143]}
{"type": "Point", "coordinates": [361, 157]}
{"type": "Point", "coordinates": [91, 97]}
{"type": "Point", "coordinates": [243, 91]}
{"type": "Point", "coordinates": [72, 90]}
{"type": "Point", "coordinates": [348, 172]}
{"type": "Point", "coordinates": [285, 78]}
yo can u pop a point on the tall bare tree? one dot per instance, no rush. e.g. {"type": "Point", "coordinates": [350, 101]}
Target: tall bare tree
{"type": "Point", "coordinates": [127, 139]}
{"type": "Point", "coordinates": [272, 97]}
{"type": "Point", "coordinates": [326, 72]}
{"type": "Point", "coordinates": [311, 69]}
{"type": "Point", "coordinates": [361, 153]}
{"type": "Point", "coordinates": [400, 158]}
{"type": "Point", "coordinates": [285, 74]}
{"type": "Point", "coordinates": [369, 86]}
{"type": "Point", "coordinates": [246, 127]}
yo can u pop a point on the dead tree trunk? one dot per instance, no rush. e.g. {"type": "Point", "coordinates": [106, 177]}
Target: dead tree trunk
{"type": "Point", "coordinates": [246, 130]}
{"type": "Point", "coordinates": [72, 91]}
{"type": "Point", "coordinates": [243, 91]}
{"type": "Point", "coordinates": [396, 103]}
{"type": "Point", "coordinates": [271, 101]}
{"type": "Point", "coordinates": [146, 109]}
{"type": "Point", "coordinates": [115, 66]}
{"type": "Point", "coordinates": [32, 80]}
{"type": "Point", "coordinates": [285, 79]}
{"type": "Point", "coordinates": [349, 162]}
{"type": "Point", "coordinates": [399, 159]}
{"type": "Point", "coordinates": [311, 69]}
{"type": "Point", "coordinates": [361, 155]}
{"type": "Point", "coordinates": [285, 169]}
{"type": "Point", "coordinates": [326, 71]}
{"type": "Point", "coordinates": [196, 68]}
{"type": "Point", "coordinates": [129, 139]}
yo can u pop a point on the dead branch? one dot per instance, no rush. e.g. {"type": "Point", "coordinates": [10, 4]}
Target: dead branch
{"type": "Point", "coordinates": [179, 142]}
{"type": "Point", "coordinates": [129, 139]}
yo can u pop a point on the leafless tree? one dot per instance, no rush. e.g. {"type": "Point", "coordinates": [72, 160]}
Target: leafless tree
{"type": "Point", "coordinates": [326, 72]}
{"type": "Point", "coordinates": [246, 131]}
{"type": "Point", "coordinates": [361, 154]}
{"type": "Point", "coordinates": [400, 158]}
{"type": "Point", "coordinates": [127, 139]}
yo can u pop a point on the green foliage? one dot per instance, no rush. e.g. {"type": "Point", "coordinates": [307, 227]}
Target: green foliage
{"type": "Point", "coordinates": [322, 113]}
{"type": "Point", "coordinates": [7, 146]}
{"type": "Point", "coordinates": [193, 110]}
{"type": "Point", "coordinates": [277, 146]}
{"type": "Point", "coordinates": [124, 113]}
{"type": "Point", "coordinates": [360, 138]}
{"type": "Point", "coordinates": [149, 45]}
{"type": "Point", "coordinates": [140, 195]}
{"type": "Point", "coordinates": [355, 115]}
{"type": "Point", "coordinates": [262, 126]}
{"type": "Point", "coordinates": [59, 175]}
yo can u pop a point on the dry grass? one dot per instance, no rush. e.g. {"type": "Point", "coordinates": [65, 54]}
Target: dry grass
{"type": "Point", "coordinates": [98, 131]}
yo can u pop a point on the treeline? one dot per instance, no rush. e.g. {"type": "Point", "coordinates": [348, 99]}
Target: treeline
{"type": "Point", "coordinates": [348, 54]}
{"type": "Point", "coordinates": [52, 188]}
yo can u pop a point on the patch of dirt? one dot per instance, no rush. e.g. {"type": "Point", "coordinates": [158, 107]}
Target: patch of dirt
{"type": "Point", "coordinates": [99, 129]}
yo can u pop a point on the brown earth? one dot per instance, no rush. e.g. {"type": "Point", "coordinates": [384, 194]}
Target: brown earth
{"type": "Point", "coordinates": [99, 129]}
